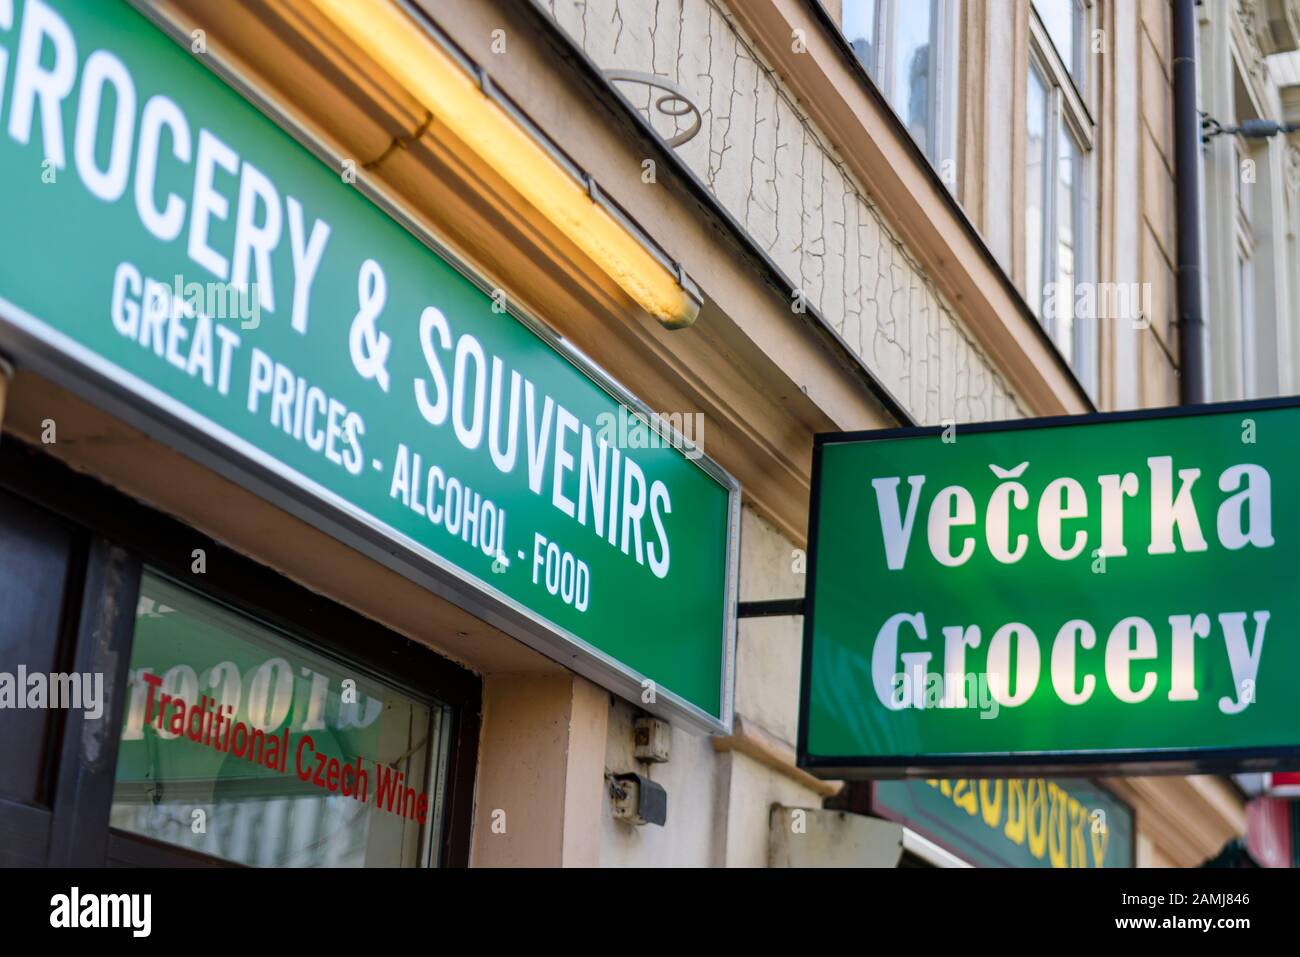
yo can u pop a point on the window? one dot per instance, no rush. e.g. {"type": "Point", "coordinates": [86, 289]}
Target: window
{"type": "Point", "coordinates": [1065, 22]}
{"type": "Point", "coordinates": [1058, 181]}
{"type": "Point", "coordinates": [249, 712]}
{"type": "Point", "coordinates": [1037, 227]}
{"type": "Point", "coordinates": [1245, 233]}
{"type": "Point", "coordinates": [98, 585]}
{"type": "Point", "coordinates": [908, 47]}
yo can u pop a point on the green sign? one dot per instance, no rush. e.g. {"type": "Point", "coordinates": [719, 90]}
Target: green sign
{"type": "Point", "coordinates": [172, 252]}
{"type": "Point", "coordinates": [1110, 590]}
{"type": "Point", "coordinates": [1014, 823]}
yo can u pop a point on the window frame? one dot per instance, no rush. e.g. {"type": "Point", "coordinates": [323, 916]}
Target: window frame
{"type": "Point", "coordinates": [1068, 114]}
{"type": "Point", "coordinates": [1082, 29]}
{"type": "Point", "coordinates": [945, 67]}
{"type": "Point", "coordinates": [1244, 248]}
{"type": "Point", "coordinates": [122, 536]}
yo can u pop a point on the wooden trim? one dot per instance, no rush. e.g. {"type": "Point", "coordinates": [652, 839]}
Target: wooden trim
{"type": "Point", "coordinates": [1186, 820]}
{"type": "Point", "coordinates": [767, 749]}
{"type": "Point", "coordinates": [834, 90]}
{"type": "Point", "coordinates": [123, 849]}
{"type": "Point", "coordinates": [462, 765]}
{"type": "Point", "coordinates": [83, 794]}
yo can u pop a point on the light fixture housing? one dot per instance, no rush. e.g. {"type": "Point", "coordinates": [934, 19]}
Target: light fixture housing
{"type": "Point", "coordinates": [462, 100]}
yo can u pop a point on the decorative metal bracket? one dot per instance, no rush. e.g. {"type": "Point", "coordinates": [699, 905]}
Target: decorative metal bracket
{"type": "Point", "coordinates": [1250, 129]}
{"type": "Point", "coordinates": [673, 102]}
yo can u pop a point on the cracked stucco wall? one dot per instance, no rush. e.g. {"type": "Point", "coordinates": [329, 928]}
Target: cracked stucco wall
{"type": "Point", "coordinates": [773, 170]}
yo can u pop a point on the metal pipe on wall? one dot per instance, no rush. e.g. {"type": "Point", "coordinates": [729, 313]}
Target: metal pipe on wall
{"type": "Point", "coordinates": [1187, 146]}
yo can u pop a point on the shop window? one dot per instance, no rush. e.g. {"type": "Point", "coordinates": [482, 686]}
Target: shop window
{"type": "Point", "coordinates": [1059, 214]}
{"type": "Point", "coordinates": [98, 587]}
{"type": "Point", "coordinates": [244, 744]}
{"type": "Point", "coordinates": [909, 48]}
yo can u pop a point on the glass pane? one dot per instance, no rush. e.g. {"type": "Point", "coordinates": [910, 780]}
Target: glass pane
{"type": "Point", "coordinates": [1035, 192]}
{"type": "Point", "coordinates": [1244, 187]}
{"type": "Point", "coordinates": [1068, 185]}
{"type": "Point", "coordinates": [859, 27]}
{"type": "Point", "coordinates": [913, 68]}
{"type": "Point", "coordinates": [1064, 22]}
{"type": "Point", "coordinates": [1246, 302]}
{"type": "Point", "coordinates": [241, 743]}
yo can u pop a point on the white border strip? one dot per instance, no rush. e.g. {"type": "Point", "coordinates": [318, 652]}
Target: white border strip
{"type": "Point", "coordinates": [930, 852]}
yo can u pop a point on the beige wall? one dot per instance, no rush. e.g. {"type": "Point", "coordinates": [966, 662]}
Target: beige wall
{"type": "Point", "coordinates": [1250, 70]}
{"type": "Point", "coordinates": [1158, 344]}
{"type": "Point", "coordinates": [1130, 98]}
{"type": "Point", "coordinates": [540, 788]}
{"type": "Point", "coordinates": [784, 180]}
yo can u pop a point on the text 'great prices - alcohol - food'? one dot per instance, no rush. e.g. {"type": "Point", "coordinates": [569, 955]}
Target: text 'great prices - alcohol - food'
{"type": "Point", "coordinates": [229, 283]}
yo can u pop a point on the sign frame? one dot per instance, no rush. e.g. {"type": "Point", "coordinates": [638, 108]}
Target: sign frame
{"type": "Point", "coordinates": [996, 764]}
{"type": "Point", "coordinates": [33, 345]}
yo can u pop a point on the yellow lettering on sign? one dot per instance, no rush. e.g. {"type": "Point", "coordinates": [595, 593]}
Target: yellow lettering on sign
{"type": "Point", "coordinates": [964, 796]}
{"type": "Point", "coordinates": [991, 808]}
{"type": "Point", "coordinates": [1078, 844]}
{"type": "Point", "coordinates": [1058, 826]}
{"type": "Point", "coordinates": [1016, 812]}
{"type": "Point", "coordinates": [1036, 812]}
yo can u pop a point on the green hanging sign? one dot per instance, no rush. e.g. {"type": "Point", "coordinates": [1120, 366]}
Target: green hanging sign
{"type": "Point", "coordinates": [170, 252]}
{"type": "Point", "coordinates": [1113, 591]}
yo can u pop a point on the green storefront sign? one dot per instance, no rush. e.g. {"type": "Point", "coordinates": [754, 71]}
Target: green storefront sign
{"type": "Point", "coordinates": [1035, 822]}
{"type": "Point", "coordinates": [1108, 591]}
{"type": "Point", "coordinates": [171, 253]}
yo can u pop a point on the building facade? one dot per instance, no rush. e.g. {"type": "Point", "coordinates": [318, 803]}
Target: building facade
{"type": "Point", "coordinates": [1249, 73]}
{"type": "Point", "coordinates": [760, 221]}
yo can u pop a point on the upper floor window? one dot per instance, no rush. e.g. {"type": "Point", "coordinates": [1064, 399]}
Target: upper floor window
{"type": "Point", "coordinates": [1059, 208]}
{"type": "Point", "coordinates": [1246, 242]}
{"type": "Point", "coordinates": [1066, 23]}
{"type": "Point", "coordinates": [908, 47]}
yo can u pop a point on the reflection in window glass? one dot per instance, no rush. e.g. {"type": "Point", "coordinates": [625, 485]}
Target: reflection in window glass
{"type": "Point", "coordinates": [1068, 186]}
{"type": "Point", "coordinates": [910, 84]}
{"type": "Point", "coordinates": [1035, 192]}
{"type": "Point", "coordinates": [859, 26]}
{"type": "Point", "coordinates": [1246, 303]}
{"type": "Point", "coordinates": [1064, 22]}
{"type": "Point", "coordinates": [896, 41]}
{"type": "Point", "coordinates": [240, 743]}
{"type": "Point", "coordinates": [1242, 184]}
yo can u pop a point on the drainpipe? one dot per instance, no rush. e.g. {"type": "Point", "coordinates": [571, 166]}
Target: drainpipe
{"type": "Point", "coordinates": [1187, 156]}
